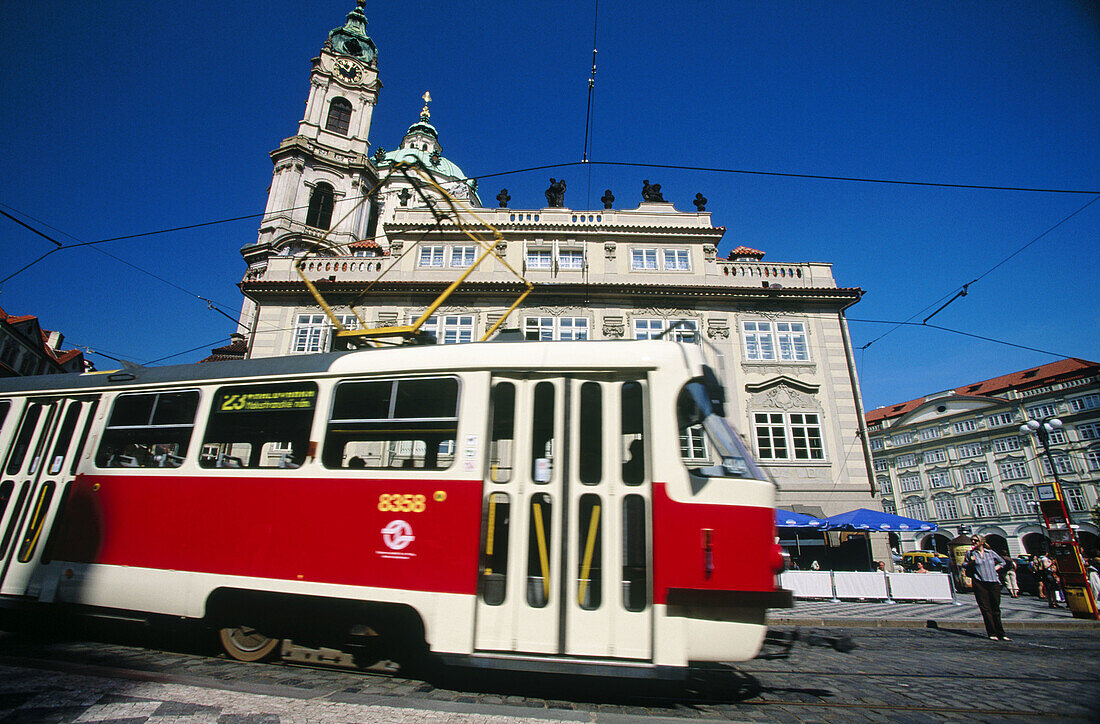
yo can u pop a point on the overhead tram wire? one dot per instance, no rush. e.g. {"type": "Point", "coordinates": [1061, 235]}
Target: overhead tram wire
{"type": "Point", "coordinates": [591, 86]}
{"type": "Point", "coordinates": [965, 288]}
{"type": "Point", "coordinates": [957, 331]}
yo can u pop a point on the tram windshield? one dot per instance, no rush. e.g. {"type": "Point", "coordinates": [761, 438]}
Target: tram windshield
{"type": "Point", "coordinates": [709, 445]}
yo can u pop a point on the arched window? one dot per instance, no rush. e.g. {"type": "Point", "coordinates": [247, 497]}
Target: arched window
{"type": "Point", "coordinates": [319, 215]}
{"type": "Point", "coordinates": [339, 116]}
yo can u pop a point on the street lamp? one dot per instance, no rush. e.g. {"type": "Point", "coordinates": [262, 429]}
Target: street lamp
{"type": "Point", "coordinates": [1063, 541]}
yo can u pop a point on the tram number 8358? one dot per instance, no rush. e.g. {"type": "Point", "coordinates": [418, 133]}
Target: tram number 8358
{"type": "Point", "coordinates": [401, 503]}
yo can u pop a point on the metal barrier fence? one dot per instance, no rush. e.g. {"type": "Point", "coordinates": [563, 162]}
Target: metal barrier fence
{"type": "Point", "coordinates": [876, 586]}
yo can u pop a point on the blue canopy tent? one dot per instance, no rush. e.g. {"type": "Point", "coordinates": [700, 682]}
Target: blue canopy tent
{"type": "Point", "coordinates": [786, 519]}
{"type": "Point", "coordinates": [790, 519]}
{"type": "Point", "coordinates": [863, 519]}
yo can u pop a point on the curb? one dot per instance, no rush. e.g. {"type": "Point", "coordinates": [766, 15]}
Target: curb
{"type": "Point", "coordinates": [831, 622]}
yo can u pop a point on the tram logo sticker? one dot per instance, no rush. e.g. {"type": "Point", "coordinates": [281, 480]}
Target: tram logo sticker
{"type": "Point", "coordinates": [397, 535]}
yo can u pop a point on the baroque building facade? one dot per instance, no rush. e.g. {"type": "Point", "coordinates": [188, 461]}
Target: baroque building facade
{"type": "Point", "coordinates": [959, 458]}
{"type": "Point", "coordinates": [632, 272]}
{"type": "Point", "coordinates": [27, 349]}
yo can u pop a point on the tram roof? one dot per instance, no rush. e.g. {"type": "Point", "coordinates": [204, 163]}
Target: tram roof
{"type": "Point", "coordinates": [578, 355]}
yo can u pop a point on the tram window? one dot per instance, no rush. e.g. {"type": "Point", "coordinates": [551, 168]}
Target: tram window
{"type": "Point", "coordinates": [634, 553]}
{"type": "Point", "coordinates": [259, 426]}
{"type": "Point", "coordinates": [5, 405]}
{"type": "Point", "coordinates": [502, 444]}
{"type": "Point", "coordinates": [589, 553]}
{"type": "Point", "coordinates": [408, 424]}
{"type": "Point", "coordinates": [494, 549]}
{"type": "Point", "coordinates": [23, 439]}
{"type": "Point", "coordinates": [633, 441]}
{"type": "Point", "coordinates": [34, 530]}
{"type": "Point", "coordinates": [40, 449]}
{"type": "Point", "coordinates": [148, 430]}
{"type": "Point", "coordinates": [88, 420]}
{"type": "Point", "coordinates": [64, 437]}
{"type": "Point", "coordinates": [542, 433]}
{"type": "Point", "coordinates": [13, 519]}
{"type": "Point", "coordinates": [6, 489]}
{"type": "Point", "coordinates": [538, 551]}
{"type": "Point", "coordinates": [591, 433]}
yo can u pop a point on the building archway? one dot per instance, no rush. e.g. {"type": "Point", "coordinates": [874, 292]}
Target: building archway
{"type": "Point", "coordinates": [1035, 544]}
{"type": "Point", "coordinates": [997, 542]}
{"type": "Point", "coordinates": [1090, 543]}
{"type": "Point", "coordinates": [935, 542]}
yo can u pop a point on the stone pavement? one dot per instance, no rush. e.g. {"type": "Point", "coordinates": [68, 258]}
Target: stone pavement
{"type": "Point", "coordinates": [1026, 612]}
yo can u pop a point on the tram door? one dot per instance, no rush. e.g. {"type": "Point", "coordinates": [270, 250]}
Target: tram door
{"type": "Point", "coordinates": [39, 468]}
{"type": "Point", "coordinates": [565, 550]}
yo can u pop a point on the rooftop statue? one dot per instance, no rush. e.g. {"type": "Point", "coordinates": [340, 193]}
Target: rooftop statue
{"type": "Point", "coordinates": [651, 192]}
{"type": "Point", "coordinates": [700, 202]}
{"type": "Point", "coordinates": [555, 195]}
{"type": "Point", "coordinates": [503, 198]}
{"type": "Point", "coordinates": [608, 199]}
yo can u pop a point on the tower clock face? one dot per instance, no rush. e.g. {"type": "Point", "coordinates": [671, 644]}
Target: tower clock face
{"type": "Point", "coordinates": [349, 70]}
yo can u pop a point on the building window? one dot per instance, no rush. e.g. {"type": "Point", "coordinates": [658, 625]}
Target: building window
{"type": "Point", "coordinates": [969, 450]}
{"type": "Point", "coordinates": [999, 420]}
{"type": "Point", "coordinates": [1040, 412]}
{"type": "Point", "coordinates": [540, 259]}
{"type": "Point", "coordinates": [930, 433]}
{"type": "Point", "coordinates": [876, 443]}
{"type": "Point", "coordinates": [1089, 431]}
{"type": "Point", "coordinates": [682, 330]}
{"type": "Point", "coordinates": [889, 508]}
{"type": "Point", "coordinates": [965, 426]}
{"type": "Point", "coordinates": [946, 508]}
{"type": "Point", "coordinates": [784, 341]}
{"type": "Point", "coordinates": [677, 260]}
{"type": "Point", "coordinates": [916, 509]}
{"type": "Point", "coordinates": [555, 328]}
{"type": "Point", "coordinates": [789, 436]}
{"type": "Point", "coordinates": [976, 474]}
{"type": "Point", "coordinates": [1062, 463]}
{"type": "Point", "coordinates": [905, 461]}
{"type": "Point", "coordinates": [1018, 499]}
{"type": "Point", "coordinates": [1006, 444]}
{"type": "Point", "coordinates": [462, 256]}
{"type": "Point", "coordinates": [1075, 499]}
{"type": "Point", "coordinates": [881, 466]}
{"type": "Point", "coordinates": [1092, 458]}
{"type": "Point", "coordinates": [983, 504]}
{"type": "Point", "coordinates": [321, 201]}
{"type": "Point", "coordinates": [1088, 402]}
{"type": "Point", "coordinates": [939, 479]}
{"type": "Point", "coordinates": [1013, 469]}
{"type": "Point", "coordinates": [909, 483]}
{"type": "Point", "coordinates": [571, 259]}
{"type": "Point", "coordinates": [939, 455]}
{"type": "Point", "coordinates": [339, 116]}
{"type": "Point", "coordinates": [310, 333]}
{"type": "Point", "coordinates": [643, 258]}
{"type": "Point", "coordinates": [903, 438]}
{"type": "Point", "coordinates": [884, 486]}
{"type": "Point", "coordinates": [450, 328]}
{"type": "Point", "coordinates": [1056, 437]}
{"type": "Point", "coordinates": [693, 444]}
{"type": "Point", "coordinates": [431, 256]}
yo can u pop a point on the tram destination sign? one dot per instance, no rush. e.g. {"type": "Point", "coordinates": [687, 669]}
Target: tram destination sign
{"type": "Point", "coordinates": [301, 399]}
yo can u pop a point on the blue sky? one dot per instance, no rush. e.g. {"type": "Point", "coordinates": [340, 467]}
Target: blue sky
{"type": "Point", "coordinates": [123, 118]}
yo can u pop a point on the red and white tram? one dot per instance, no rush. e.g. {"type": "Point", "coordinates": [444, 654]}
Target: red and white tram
{"type": "Point", "coordinates": [574, 506]}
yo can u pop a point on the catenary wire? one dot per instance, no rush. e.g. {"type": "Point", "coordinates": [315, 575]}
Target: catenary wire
{"type": "Point", "coordinates": [965, 334]}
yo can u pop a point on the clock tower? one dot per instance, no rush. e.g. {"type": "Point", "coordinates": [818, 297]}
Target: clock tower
{"type": "Point", "coordinates": [316, 199]}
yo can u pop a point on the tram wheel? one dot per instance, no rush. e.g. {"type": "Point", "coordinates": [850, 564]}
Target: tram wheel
{"type": "Point", "coordinates": [244, 643]}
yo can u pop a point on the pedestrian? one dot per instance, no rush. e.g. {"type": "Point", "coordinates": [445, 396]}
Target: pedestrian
{"type": "Point", "coordinates": [982, 564]}
{"type": "Point", "coordinates": [815, 566]}
{"type": "Point", "coordinates": [1094, 577]}
{"type": "Point", "coordinates": [920, 568]}
{"type": "Point", "coordinates": [1009, 573]}
{"type": "Point", "coordinates": [880, 567]}
{"type": "Point", "coordinates": [1048, 576]}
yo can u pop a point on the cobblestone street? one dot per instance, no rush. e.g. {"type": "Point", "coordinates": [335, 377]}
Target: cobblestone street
{"type": "Point", "coordinates": [827, 673]}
